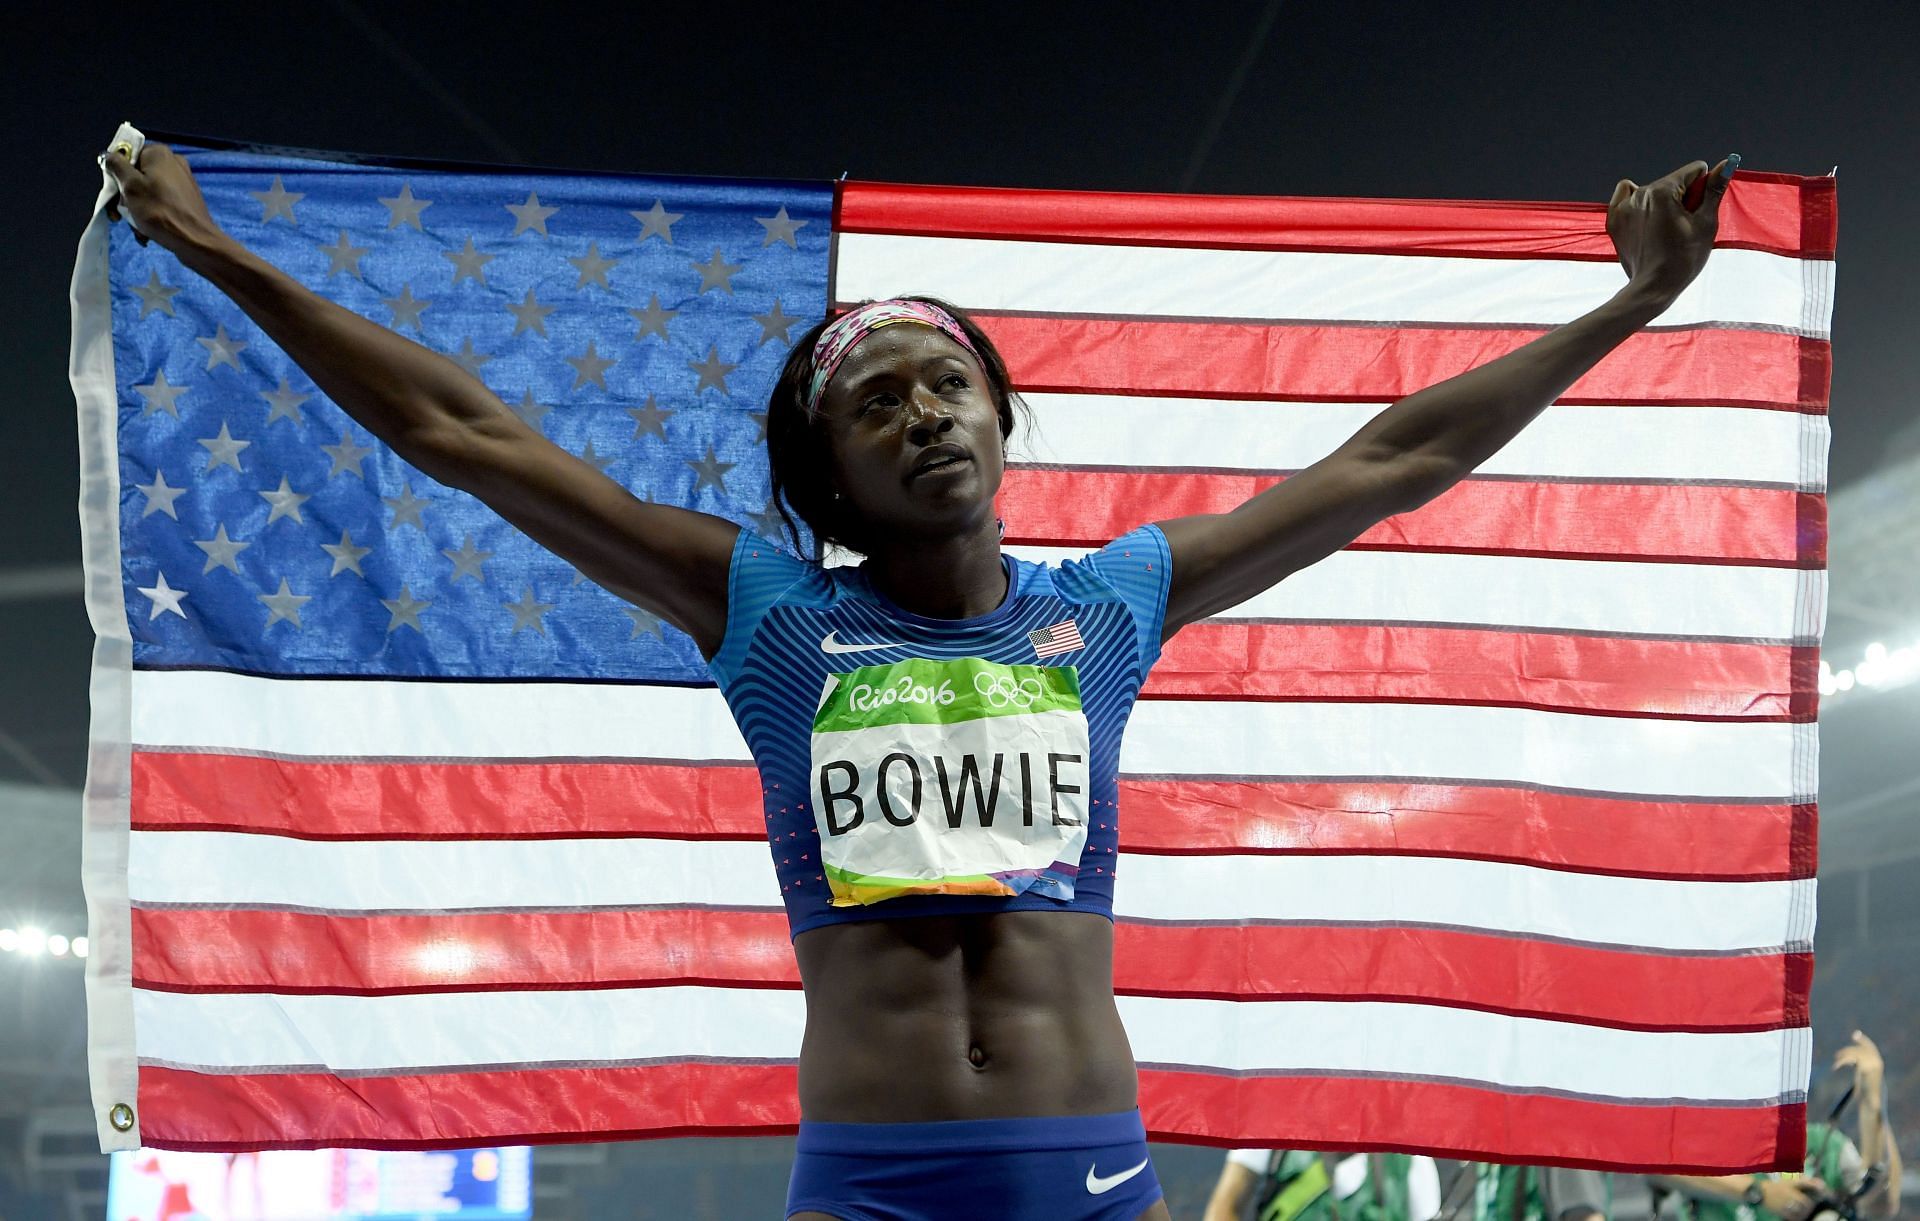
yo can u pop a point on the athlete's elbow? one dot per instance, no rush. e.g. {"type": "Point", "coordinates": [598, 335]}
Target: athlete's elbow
{"type": "Point", "coordinates": [1404, 481]}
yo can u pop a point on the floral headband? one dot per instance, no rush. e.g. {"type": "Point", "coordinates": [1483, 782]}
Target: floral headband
{"type": "Point", "coordinates": [850, 328]}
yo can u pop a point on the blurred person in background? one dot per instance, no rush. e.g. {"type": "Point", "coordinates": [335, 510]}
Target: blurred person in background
{"type": "Point", "coordinates": [1537, 1193]}
{"type": "Point", "coordinates": [1297, 1185]}
{"type": "Point", "coordinates": [1835, 1165]}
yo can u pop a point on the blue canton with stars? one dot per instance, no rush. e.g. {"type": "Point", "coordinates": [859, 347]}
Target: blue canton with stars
{"type": "Point", "coordinates": [638, 322]}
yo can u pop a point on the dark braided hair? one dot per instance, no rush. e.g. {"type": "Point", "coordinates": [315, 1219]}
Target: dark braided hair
{"type": "Point", "coordinates": [798, 450]}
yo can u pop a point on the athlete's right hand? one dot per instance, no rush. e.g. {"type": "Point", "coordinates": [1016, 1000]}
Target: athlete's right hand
{"type": "Point", "coordinates": [159, 197]}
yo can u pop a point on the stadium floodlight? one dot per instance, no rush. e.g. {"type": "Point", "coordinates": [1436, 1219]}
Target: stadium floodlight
{"type": "Point", "coordinates": [1883, 668]}
{"type": "Point", "coordinates": [9, 941]}
{"type": "Point", "coordinates": [57, 945]}
{"type": "Point", "coordinates": [1879, 669]}
{"type": "Point", "coordinates": [80, 947]}
{"type": "Point", "coordinates": [32, 942]}
{"type": "Point", "coordinates": [1874, 533]}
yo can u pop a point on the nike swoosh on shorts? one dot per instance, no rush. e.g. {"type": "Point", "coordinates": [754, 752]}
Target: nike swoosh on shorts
{"type": "Point", "coordinates": [1099, 1186]}
{"type": "Point", "coordinates": [829, 645]}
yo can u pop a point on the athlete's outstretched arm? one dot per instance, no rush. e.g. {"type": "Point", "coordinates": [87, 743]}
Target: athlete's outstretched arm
{"type": "Point", "coordinates": [1430, 440]}
{"type": "Point", "coordinates": [442, 419]}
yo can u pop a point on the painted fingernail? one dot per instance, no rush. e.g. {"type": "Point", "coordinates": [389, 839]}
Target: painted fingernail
{"type": "Point", "coordinates": [1733, 163]}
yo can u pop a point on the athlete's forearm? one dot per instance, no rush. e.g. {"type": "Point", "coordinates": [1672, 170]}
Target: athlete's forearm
{"type": "Point", "coordinates": [419, 402]}
{"type": "Point", "coordinates": [1401, 459]}
{"type": "Point", "coordinates": [1455, 425]}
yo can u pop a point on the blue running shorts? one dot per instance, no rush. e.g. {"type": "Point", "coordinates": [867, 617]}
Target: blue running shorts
{"type": "Point", "coordinates": [1055, 1168]}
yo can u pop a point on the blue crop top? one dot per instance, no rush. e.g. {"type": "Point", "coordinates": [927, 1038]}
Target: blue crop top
{"type": "Point", "coordinates": [914, 766]}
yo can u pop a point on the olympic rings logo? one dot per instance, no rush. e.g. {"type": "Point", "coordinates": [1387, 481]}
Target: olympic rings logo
{"type": "Point", "coordinates": [1001, 692]}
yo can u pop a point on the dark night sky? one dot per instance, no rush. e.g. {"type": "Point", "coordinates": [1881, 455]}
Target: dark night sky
{"type": "Point", "coordinates": [1358, 98]}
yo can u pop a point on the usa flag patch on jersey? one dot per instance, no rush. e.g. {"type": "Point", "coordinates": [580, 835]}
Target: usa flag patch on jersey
{"type": "Point", "coordinates": [1055, 639]}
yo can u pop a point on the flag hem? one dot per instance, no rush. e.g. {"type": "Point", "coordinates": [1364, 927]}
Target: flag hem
{"type": "Point", "coordinates": [1810, 617]}
{"type": "Point", "coordinates": [113, 1071]}
{"type": "Point", "coordinates": [453, 165]}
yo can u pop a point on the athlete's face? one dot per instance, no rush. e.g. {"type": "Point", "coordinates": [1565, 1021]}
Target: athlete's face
{"type": "Point", "coordinates": [914, 432]}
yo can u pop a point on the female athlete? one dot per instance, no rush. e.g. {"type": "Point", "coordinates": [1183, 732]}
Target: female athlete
{"type": "Point", "coordinates": [941, 723]}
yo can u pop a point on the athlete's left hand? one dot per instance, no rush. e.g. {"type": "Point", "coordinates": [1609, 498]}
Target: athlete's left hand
{"type": "Point", "coordinates": [1661, 244]}
{"type": "Point", "coordinates": [159, 198]}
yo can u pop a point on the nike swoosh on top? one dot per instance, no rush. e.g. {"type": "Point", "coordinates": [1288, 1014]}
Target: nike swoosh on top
{"type": "Point", "coordinates": [829, 645]}
{"type": "Point", "coordinates": [1099, 1186]}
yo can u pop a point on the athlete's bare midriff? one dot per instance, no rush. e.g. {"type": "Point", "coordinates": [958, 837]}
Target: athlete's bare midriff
{"type": "Point", "coordinates": [962, 1017]}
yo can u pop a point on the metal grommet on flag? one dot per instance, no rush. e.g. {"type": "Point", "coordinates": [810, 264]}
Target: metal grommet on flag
{"type": "Point", "coordinates": [121, 1117]}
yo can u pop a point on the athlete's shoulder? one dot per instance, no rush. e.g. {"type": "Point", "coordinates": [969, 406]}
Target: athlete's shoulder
{"type": "Point", "coordinates": [765, 572]}
{"type": "Point", "coordinates": [761, 576]}
{"type": "Point", "coordinates": [1137, 559]}
{"type": "Point", "coordinates": [1133, 569]}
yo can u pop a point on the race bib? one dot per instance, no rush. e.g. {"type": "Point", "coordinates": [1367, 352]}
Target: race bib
{"type": "Point", "coordinates": [958, 777]}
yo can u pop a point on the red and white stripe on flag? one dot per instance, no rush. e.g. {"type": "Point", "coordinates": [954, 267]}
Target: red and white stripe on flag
{"type": "Point", "coordinates": [1492, 835]}
{"type": "Point", "coordinates": [1399, 806]}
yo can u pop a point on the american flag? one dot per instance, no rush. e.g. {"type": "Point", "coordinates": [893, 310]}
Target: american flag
{"type": "Point", "coordinates": [1492, 835]}
{"type": "Point", "coordinates": [1056, 638]}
